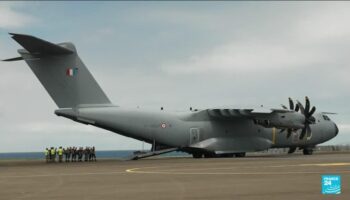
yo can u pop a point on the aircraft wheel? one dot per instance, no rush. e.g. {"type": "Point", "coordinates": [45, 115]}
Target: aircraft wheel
{"type": "Point", "coordinates": [197, 155]}
{"type": "Point", "coordinates": [209, 155]}
{"type": "Point", "coordinates": [227, 155]}
{"type": "Point", "coordinates": [308, 151]}
{"type": "Point", "coordinates": [240, 155]}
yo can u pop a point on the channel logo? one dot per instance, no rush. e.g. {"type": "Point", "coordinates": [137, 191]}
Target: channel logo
{"type": "Point", "coordinates": [331, 184]}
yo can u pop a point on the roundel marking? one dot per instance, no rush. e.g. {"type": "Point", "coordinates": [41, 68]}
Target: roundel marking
{"type": "Point", "coordinates": [163, 125]}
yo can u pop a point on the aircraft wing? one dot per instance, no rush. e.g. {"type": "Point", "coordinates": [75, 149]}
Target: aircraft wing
{"type": "Point", "coordinates": [279, 118]}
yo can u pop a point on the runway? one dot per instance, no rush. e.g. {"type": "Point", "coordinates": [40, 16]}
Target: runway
{"type": "Point", "coordinates": [253, 177]}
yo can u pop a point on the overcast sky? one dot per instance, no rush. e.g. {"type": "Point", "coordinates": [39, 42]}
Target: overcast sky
{"type": "Point", "coordinates": [176, 55]}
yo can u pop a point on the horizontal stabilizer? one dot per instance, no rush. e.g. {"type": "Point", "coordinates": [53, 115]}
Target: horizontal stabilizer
{"type": "Point", "coordinates": [38, 46]}
{"type": "Point", "coordinates": [13, 59]}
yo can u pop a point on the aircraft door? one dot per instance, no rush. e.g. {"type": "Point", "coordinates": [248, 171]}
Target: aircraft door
{"type": "Point", "coordinates": [194, 135]}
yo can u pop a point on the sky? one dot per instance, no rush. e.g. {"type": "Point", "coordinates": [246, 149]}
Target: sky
{"type": "Point", "coordinates": [176, 55]}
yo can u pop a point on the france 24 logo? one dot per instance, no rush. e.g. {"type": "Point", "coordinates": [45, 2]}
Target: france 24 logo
{"type": "Point", "coordinates": [331, 184]}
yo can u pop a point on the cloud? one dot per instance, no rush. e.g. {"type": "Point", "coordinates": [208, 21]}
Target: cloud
{"type": "Point", "coordinates": [279, 41]}
{"type": "Point", "coordinates": [328, 22]}
{"type": "Point", "coordinates": [343, 136]}
{"type": "Point", "coordinates": [11, 18]}
{"type": "Point", "coordinates": [44, 126]}
{"type": "Point", "coordinates": [247, 56]}
{"type": "Point", "coordinates": [182, 16]}
{"type": "Point", "coordinates": [99, 35]}
{"type": "Point", "coordinates": [344, 128]}
{"type": "Point", "coordinates": [315, 37]}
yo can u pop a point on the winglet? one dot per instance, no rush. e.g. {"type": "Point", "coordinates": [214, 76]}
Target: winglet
{"type": "Point", "coordinates": [38, 46]}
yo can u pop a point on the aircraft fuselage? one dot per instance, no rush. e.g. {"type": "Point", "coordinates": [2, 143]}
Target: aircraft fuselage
{"type": "Point", "coordinates": [196, 129]}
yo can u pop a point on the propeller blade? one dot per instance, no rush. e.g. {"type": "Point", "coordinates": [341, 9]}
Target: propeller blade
{"type": "Point", "coordinates": [310, 120]}
{"type": "Point", "coordinates": [296, 108]}
{"type": "Point", "coordinates": [307, 106]}
{"type": "Point", "coordinates": [308, 131]}
{"type": "Point", "coordinates": [302, 110]}
{"type": "Point", "coordinates": [291, 104]}
{"type": "Point", "coordinates": [302, 135]}
{"type": "Point", "coordinates": [283, 106]}
{"type": "Point", "coordinates": [312, 111]}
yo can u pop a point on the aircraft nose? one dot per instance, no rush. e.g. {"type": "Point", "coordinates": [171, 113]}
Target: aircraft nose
{"type": "Point", "coordinates": [336, 129]}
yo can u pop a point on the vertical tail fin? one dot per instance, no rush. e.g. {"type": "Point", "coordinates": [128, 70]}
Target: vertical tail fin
{"type": "Point", "coordinates": [61, 71]}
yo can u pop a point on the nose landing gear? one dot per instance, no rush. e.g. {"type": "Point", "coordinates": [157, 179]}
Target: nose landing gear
{"type": "Point", "coordinates": [308, 151]}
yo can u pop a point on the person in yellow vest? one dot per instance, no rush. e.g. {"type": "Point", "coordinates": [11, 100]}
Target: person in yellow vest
{"type": "Point", "coordinates": [60, 154]}
{"type": "Point", "coordinates": [47, 155]}
{"type": "Point", "coordinates": [53, 154]}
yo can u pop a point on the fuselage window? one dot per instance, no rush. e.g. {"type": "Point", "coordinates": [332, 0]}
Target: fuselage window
{"type": "Point", "coordinates": [325, 117]}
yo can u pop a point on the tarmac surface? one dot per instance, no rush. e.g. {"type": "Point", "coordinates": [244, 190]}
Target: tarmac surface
{"type": "Point", "coordinates": [253, 177]}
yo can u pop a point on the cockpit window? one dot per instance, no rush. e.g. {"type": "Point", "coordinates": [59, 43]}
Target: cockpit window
{"type": "Point", "coordinates": [325, 117]}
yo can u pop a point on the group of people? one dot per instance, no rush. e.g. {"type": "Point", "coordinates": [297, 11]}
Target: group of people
{"type": "Point", "coordinates": [71, 154]}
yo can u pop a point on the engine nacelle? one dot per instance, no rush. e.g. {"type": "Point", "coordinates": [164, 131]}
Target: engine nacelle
{"type": "Point", "coordinates": [284, 120]}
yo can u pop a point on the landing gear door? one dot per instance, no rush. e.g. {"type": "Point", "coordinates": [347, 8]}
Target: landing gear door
{"type": "Point", "coordinates": [194, 135]}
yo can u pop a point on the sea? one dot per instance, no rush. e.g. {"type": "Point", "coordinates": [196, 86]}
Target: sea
{"type": "Point", "coordinates": [117, 154]}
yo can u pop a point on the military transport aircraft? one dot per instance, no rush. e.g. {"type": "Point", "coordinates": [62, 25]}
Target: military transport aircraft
{"type": "Point", "coordinates": [213, 132]}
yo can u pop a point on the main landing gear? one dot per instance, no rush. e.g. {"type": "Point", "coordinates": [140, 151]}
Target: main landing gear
{"type": "Point", "coordinates": [197, 155]}
{"type": "Point", "coordinates": [308, 151]}
{"type": "Point", "coordinates": [213, 155]}
{"type": "Point", "coordinates": [240, 155]}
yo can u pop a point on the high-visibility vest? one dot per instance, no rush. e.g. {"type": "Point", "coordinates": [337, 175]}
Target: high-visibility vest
{"type": "Point", "coordinates": [60, 152]}
{"type": "Point", "coordinates": [46, 152]}
{"type": "Point", "coordinates": [52, 151]}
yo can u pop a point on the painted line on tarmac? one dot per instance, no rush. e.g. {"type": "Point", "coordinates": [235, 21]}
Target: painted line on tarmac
{"type": "Point", "coordinates": [186, 167]}
{"type": "Point", "coordinates": [313, 165]}
{"type": "Point", "coordinates": [139, 171]}
{"type": "Point", "coordinates": [327, 164]}
{"type": "Point", "coordinates": [182, 171]}
{"type": "Point", "coordinates": [68, 174]}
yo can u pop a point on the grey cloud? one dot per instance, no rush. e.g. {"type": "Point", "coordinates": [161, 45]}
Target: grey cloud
{"type": "Point", "coordinates": [10, 18]}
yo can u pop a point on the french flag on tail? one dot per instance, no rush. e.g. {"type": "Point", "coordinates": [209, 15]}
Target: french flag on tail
{"type": "Point", "coordinates": [72, 71]}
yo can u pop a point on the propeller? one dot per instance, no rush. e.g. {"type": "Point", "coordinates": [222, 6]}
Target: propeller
{"type": "Point", "coordinates": [309, 119]}
{"type": "Point", "coordinates": [291, 107]}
